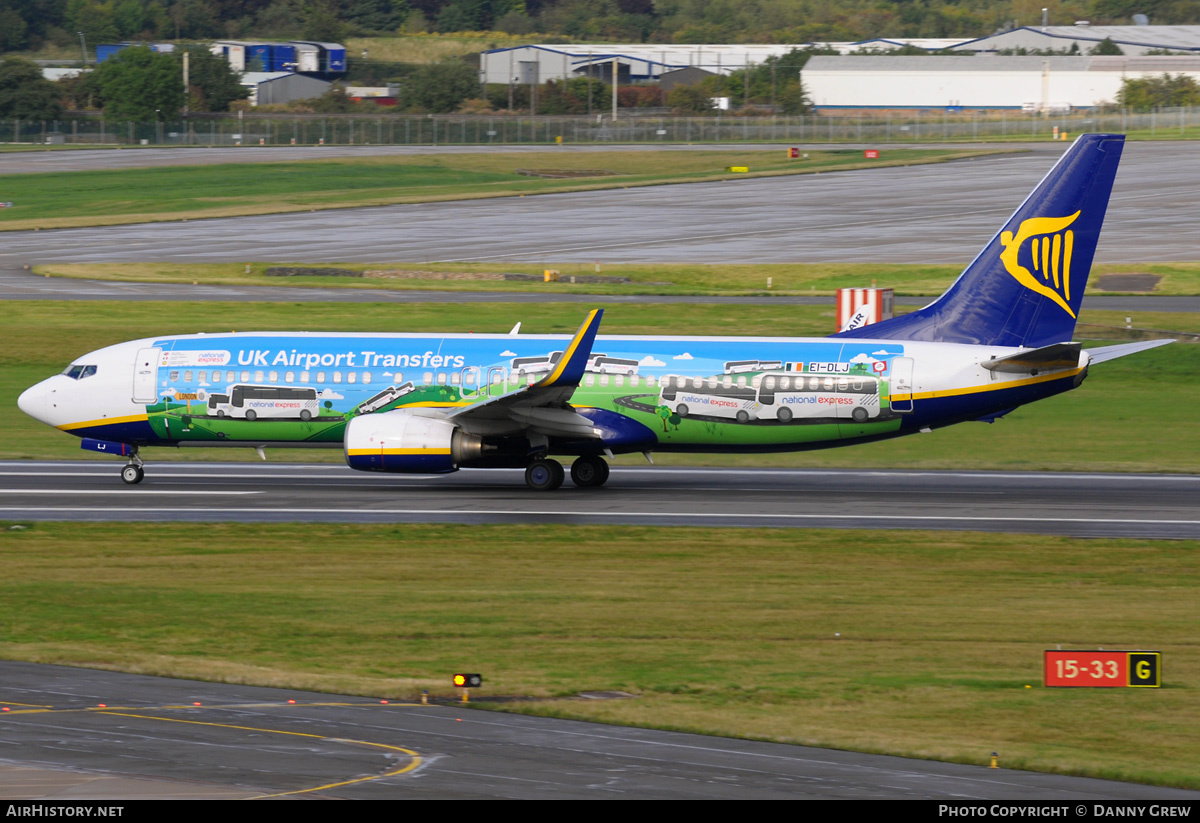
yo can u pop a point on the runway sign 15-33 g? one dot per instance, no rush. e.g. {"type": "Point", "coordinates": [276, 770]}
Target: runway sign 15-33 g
{"type": "Point", "coordinates": [1111, 669]}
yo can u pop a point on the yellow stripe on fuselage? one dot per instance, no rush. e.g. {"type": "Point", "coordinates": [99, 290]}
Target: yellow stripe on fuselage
{"type": "Point", "coordinates": [108, 421]}
{"type": "Point", "coordinates": [1028, 381]}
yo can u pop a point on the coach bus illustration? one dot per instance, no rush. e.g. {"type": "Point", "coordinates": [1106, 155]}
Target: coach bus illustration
{"type": "Point", "coordinates": [386, 396]}
{"type": "Point", "coordinates": [784, 396]}
{"type": "Point", "coordinates": [273, 402]}
{"type": "Point", "coordinates": [709, 397]}
{"type": "Point", "coordinates": [743, 366]}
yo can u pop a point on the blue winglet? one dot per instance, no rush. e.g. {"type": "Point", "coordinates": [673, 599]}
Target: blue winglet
{"type": "Point", "coordinates": [574, 360]}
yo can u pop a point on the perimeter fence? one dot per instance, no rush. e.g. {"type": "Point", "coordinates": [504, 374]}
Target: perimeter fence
{"type": "Point", "coordinates": [917, 127]}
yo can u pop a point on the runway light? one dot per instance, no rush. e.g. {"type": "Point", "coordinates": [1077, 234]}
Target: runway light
{"type": "Point", "coordinates": [292, 701]}
{"type": "Point", "coordinates": [468, 681]}
{"type": "Point", "coordinates": [383, 702]}
{"type": "Point", "coordinates": [103, 705]}
{"type": "Point", "coordinates": [197, 703]}
{"type": "Point", "coordinates": [5, 709]}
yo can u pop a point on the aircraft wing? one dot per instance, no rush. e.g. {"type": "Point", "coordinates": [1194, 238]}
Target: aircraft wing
{"type": "Point", "coordinates": [544, 407]}
{"type": "Point", "coordinates": [1113, 352]}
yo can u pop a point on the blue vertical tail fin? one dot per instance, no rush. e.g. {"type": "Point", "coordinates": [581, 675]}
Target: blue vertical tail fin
{"type": "Point", "coordinates": [1026, 286]}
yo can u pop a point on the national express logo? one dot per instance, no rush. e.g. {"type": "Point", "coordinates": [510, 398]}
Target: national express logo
{"type": "Point", "coordinates": [1050, 252]}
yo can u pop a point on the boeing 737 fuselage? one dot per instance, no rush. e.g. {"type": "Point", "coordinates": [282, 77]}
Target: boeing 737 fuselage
{"type": "Point", "coordinates": [999, 338]}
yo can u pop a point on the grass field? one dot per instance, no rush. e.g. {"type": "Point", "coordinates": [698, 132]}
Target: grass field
{"type": "Point", "coordinates": [647, 279]}
{"type": "Point", "coordinates": [1141, 409]}
{"type": "Point", "coordinates": [732, 632]}
{"type": "Point", "coordinates": [109, 197]}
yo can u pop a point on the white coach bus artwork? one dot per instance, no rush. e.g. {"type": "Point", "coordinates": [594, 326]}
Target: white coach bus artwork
{"type": "Point", "coordinates": [275, 402]}
{"type": "Point", "coordinates": [709, 397]}
{"type": "Point", "coordinates": [787, 395]}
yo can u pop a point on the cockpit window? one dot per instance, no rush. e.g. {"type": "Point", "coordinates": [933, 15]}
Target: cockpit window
{"type": "Point", "coordinates": [77, 372]}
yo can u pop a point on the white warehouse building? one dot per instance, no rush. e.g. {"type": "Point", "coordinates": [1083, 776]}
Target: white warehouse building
{"type": "Point", "coordinates": [1131, 40]}
{"type": "Point", "coordinates": [643, 62]}
{"type": "Point", "coordinates": [980, 82]}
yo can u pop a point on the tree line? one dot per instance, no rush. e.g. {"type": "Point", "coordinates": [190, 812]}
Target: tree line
{"type": "Point", "coordinates": [32, 24]}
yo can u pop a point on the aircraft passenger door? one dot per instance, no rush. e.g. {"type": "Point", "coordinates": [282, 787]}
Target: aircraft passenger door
{"type": "Point", "coordinates": [145, 375]}
{"type": "Point", "coordinates": [470, 388]}
{"type": "Point", "coordinates": [901, 389]}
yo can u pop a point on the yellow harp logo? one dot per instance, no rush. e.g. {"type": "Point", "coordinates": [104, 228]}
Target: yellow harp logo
{"type": "Point", "coordinates": [1050, 251]}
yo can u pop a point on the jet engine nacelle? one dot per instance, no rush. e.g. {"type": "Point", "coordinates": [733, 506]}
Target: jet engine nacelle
{"type": "Point", "coordinates": [401, 441]}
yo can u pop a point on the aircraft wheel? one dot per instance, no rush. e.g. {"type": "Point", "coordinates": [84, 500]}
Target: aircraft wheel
{"type": "Point", "coordinates": [860, 415]}
{"type": "Point", "coordinates": [589, 472]}
{"type": "Point", "coordinates": [251, 414]}
{"type": "Point", "coordinates": [132, 474]}
{"type": "Point", "coordinates": [544, 475]}
{"type": "Point", "coordinates": [785, 415]}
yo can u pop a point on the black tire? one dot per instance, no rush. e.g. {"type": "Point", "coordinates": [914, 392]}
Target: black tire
{"type": "Point", "coordinates": [785, 415]}
{"type": "Point", "coordinates": [681, 410]}
{"type": "Point", "coordinates": [220, 414]}
{"type": "Point", "coordinates": [544, 475]}
{"type": "Point", "coordinates": [132, 474]}
{"type": "Point", "coordinates": [306, 415]}
{"type": "Point", "coordinates": [251, 414]}
{"type": "Point", "coordinates": [860, 415]}
{"type": "Point", "coordinates": [589, 472]}
{"type": "Point", "coordinates": [743, 416]}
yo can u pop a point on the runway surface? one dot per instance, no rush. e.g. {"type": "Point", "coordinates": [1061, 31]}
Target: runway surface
{"type": "Point", "coordinates": [1089, 505]}
{"type": "Point", "coordinates": [165, 738]}
{"type": "Point", "coordinates": [925, 214]}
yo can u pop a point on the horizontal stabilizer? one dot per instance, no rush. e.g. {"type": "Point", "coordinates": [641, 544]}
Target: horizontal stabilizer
{"type": "Point", "coordinates": [1113, 352]}
{"type": "Point", "coordinates": [1054, 356]}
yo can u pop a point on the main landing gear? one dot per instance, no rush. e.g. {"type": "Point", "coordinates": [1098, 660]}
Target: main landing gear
{"type": "Point", "coordinates": [546, 475]}
{"type": "Point", "coordinates": [132, 473]}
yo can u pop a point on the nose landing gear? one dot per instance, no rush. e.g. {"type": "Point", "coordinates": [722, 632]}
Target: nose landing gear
{"type": "Point", "coordinates": [132, 473]}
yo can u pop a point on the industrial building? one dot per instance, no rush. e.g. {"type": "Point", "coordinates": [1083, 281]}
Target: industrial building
{"type": "Point", "coordinates": [646, 62]}
{"type": "Point", "coordinates": [1027, 83]}
{"type": "Point", "coordinates": [1083, 37]}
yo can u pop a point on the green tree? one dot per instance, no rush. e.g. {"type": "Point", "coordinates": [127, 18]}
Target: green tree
{"type": "Point", "coordinates": [212, 84]}
{"type": "Point", "coordinates": [1146, 93]}
{"type": "Point", "coordinates": [24, 93]}
{"type": "Point", "coordinates": [692, 99]}
{"type": "Point", "coordinates": [441, 87]}
{"type": "Point", "coordinates": [321, 22]}
{"type": "Point", "coordinates": [138, 84]}
{"type": "Point", "coordinates": [1106, 46]}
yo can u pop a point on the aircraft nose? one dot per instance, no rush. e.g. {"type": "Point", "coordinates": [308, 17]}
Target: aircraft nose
{"type": "Point", "coordinates": [33, 402]}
